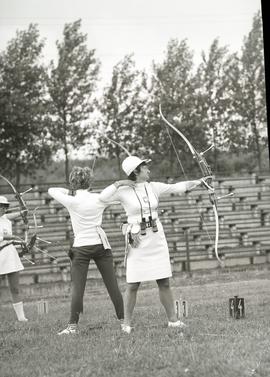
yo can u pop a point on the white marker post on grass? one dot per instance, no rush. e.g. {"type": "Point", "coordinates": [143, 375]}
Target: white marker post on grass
{"type": "Point", "coordinates": [42, 307]}
{"type": "Point", "coordinates": [237, 307]}
{"type": "Point", "coordinates": [181, 308]}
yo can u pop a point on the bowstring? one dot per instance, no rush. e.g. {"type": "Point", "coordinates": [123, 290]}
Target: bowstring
{"type": "Point", "coordinates": [175, 150]}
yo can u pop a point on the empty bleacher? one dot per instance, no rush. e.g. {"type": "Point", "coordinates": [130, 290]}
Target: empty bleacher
{"type": "Point", "coordinates": [188, 221]}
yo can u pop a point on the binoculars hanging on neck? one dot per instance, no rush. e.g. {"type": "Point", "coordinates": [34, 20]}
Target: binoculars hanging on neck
{"type": "Point", "coordinates": [151, 223]}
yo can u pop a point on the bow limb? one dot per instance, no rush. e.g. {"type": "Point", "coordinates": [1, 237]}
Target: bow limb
{"type": "Point", "coordinates": [19, 198]}
{"type": "Point", "coordinates": [23, 207]}
{"type": "Point", "coordinates": [115, 143]}
{"type": "Point", "coordinates": [26, 246]}
{"type": "Point", "coordinates": [217, 234]}
{"type": "Point", "coordinates": [213, 200]}
{"type": "Point", "coordinates": [192, 149]}
{"type": "Point", "coordinates": [204, 167]}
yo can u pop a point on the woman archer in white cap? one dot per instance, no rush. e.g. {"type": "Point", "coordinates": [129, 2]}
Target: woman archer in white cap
{"type": "Point", "coordinates": [147, 255]}
{"type": "Point", "coordinates": [10, 263]}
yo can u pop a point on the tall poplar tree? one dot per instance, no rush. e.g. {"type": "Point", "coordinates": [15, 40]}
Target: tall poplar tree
{"type": "Point", "coordinates": [218, 88]}
{"type": "Point", "coordinates": [173, 87]}
{"type": "Point", "coordinates": [24, 117]}
{"type": "Point", "coordinates": [253, 109]}
{"type": "Point", "coordinates": [122, 109]}
{"type": "Point", "coordinates": [71, 85]}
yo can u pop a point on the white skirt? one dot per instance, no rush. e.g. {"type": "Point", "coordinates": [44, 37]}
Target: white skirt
{"type": "Point", "coordinates": [10, 260]}
{"type": "Point", "coordinates": [151, 259]}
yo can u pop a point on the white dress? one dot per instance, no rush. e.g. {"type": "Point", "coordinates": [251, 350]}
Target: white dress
{"type": "Point", "coordinates": [150, 260]}
{"type": "Point", "coordinates": [9, 258]}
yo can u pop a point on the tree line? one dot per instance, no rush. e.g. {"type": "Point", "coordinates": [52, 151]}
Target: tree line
{"type": "Point", "coordinates": [47, 108]}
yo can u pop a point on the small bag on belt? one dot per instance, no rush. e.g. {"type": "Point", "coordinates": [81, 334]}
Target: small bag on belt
{"type": "Point", "coordinates": [132, 233]}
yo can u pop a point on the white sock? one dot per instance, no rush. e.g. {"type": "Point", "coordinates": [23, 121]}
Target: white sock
{"type": "Point", "coordinates": [18, 307]}
{"type": "Point", "coordinates": [73, 325]}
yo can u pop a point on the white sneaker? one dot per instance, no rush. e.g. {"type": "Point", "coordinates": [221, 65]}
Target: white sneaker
{"type": "Point", "coordinates": [23, 320]}
{"type": "Point", "coordinates": [126, 328]}
{"type": "Point", "coordinates": [72, 328]}
{"type": "Point", "coordinates": [179, 324]}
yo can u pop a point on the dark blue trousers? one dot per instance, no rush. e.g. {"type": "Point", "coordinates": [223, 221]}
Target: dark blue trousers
{"type": "Point", "coordinates": [80, 257]}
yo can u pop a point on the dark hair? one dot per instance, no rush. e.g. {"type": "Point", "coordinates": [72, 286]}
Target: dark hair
{"type": "Point", "coordinates": [80, 178]}
{"type": "Point", "coordinates": [133, 176]}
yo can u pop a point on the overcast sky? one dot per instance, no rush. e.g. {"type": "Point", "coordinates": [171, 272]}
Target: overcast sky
{"type": "Point", "coordinates": [144, 27]}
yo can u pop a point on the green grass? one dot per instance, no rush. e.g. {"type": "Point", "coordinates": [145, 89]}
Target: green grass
{"type": "Point", "coordinates": [213, 345]}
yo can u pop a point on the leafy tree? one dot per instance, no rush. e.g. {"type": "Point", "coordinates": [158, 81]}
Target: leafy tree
{"type": "Point", "coordinates": [122, 110]}
{"type": "Point", "coordinates": [71, 85]}
{"type": "Point", "coordinates": [253, 109]}
{"type": "Point", "coordinates": [217, 78]}
{"type": "Point", "coordinates": [23, 105]}
{"type": "Point", "coordinates": [173, 87]}
{"type": "Point", "coordinates": [234, 130]}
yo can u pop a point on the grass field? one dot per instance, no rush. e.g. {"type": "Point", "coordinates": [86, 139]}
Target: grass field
{"type": "Point", "coordinates": [213, 345]}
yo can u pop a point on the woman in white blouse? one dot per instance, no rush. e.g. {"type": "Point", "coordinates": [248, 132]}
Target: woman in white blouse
{"type": "Point", "coordinates": [90, 242]}
{"type": "Point", "coordinates": [147, 255]}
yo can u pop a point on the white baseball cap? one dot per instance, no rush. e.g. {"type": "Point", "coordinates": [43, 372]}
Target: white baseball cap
{"type": "Point", "coordinates": [3, 200]}
{"type": "Point", "coordinates": [130, 164]}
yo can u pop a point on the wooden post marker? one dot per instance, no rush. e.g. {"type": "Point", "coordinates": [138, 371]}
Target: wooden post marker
{"type": "Point", "coordinates": [237, 307]}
